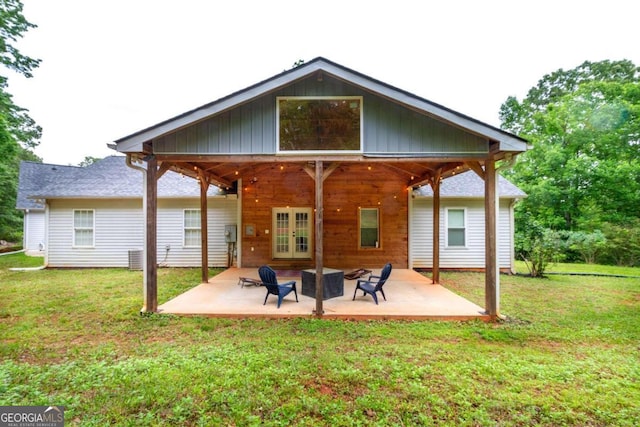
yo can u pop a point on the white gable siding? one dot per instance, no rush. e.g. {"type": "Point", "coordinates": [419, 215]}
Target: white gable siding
{"type": "Point", "coordinates": [119, 228]}
{"type": "Point", "coordinates": [34, 230]}
{"type": "Point", "coordinates": [472, 255]}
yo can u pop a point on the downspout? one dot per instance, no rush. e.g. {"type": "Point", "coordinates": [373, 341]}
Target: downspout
{"type": "Point", "coordinates": [144, 232]}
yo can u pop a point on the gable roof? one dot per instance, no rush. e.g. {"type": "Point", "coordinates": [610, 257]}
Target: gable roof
{"type": "Point", "coordinates": [507, 141]}
{"type": "Point", "coordinates": [107, 178]}
{"type": "Point", "coordinates": [469, 185]}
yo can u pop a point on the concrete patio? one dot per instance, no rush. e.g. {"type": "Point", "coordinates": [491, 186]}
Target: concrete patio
{"type": "Point", "coordinates": [410, 295]}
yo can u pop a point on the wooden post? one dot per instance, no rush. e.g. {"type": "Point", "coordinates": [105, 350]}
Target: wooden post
{"type": "Point", "coordinates": [151, 261]}
{"type": "Point", "coordinates": [204, 227]}
{"type": "Point", "coordinates": [491, 252]}
{"type": "Point", "coordinates": [435, 267]}
{"type": "Point", "coordinates": [318, 238]}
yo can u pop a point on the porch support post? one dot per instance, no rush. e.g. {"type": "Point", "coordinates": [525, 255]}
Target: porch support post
{"type": "Point", "coordinates": [318, 237]}
{"type": "Point", "coordinates": [151, 263]}
{"type": "Point", "coordinates": [204, 227]}
{"type": "Point", "coordinates": [435, 262]}
{"type": "Point", "coordinates": [492, 286]}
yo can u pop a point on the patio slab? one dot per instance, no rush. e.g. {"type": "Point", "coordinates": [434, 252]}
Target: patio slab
{"type": "Point", "coordinates": [410, 295]}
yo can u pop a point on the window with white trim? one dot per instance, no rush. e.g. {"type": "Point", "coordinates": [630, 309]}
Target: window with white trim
{"type": "Point", "coordinates": [456, 227]}
{"type": "Point", "coordinates": [83, 228]}
{"type": "Point", "coordinates": [192, 228]}
{"type": "Point", "coordinates": [369, 228]}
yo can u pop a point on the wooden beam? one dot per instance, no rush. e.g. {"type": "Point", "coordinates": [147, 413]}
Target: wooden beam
{"type": "Point", "coordinates": [329, 170]}
{"type": "Point", "coordinates": [491, 248]}
{"type": "Point", "coordinates": [293, 158]}
{"type": "Point", "coordinates": [164, 168]}
{"type": "Point", "coordinates": [477, 168]}
{"type": "Point", "coordinates": [435, 262]}
{"type": "Point", "coordinates": [151, 261]}
{"type": "Point", "coordinates": [204, 226]}
{"type": "Point", "coordinates": [319, 311]}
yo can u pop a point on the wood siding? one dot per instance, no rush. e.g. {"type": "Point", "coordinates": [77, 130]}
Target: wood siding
{"type": "Point", "coordinates": [388, 127]}
{"type": "Point", "coordinates": [119, 228]}
{"type": "Point", "coordinates": [348, 188]}
{"type": "Point", "coordinates": [469, 257]}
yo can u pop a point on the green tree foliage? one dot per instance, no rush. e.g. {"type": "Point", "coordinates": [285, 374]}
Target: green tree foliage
{"type": "Point", "coordinates": [18, 132]}
{"type": "Point", "coordinates": [582, 173]}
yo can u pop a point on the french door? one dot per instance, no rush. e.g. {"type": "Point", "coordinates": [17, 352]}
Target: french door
{"type": "Point", "coordinates": [292, 232]}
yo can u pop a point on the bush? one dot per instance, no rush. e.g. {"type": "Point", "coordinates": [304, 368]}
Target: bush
{"type": "Point", "coordinates": [538, 247]}
{"type": "Point", "coordinates": [623, 244]}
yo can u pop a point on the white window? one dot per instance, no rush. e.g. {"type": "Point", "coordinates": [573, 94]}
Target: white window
{"type": "Point", "coordinates": [83, 228]}
{"type": "Point", "coordinates": [192, 228]}
{"type": "Point", "coordinates": [456, 227]}
{"type": "Point", "coordinates": [369, 228]}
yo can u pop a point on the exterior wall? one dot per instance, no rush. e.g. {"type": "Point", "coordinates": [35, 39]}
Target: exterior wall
{"type": "Point", "coordinates": [34, 230]}
{"type": "Point", "coordinates": [119, 228]}
{"type": "Point", "coordinates": [348, 188]}
{"type": "Point", "coordinates": [387, 127]}
{"type": "Point", "coordinates": [470, 257]}
{"type": "Point", "coordinates": [170, 231]}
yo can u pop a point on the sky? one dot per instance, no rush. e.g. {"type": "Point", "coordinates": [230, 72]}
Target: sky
{"type": "Point", "coordinates": [113, 67]}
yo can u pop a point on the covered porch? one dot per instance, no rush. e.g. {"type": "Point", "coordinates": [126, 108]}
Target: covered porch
{"type": "Point", "coordinates": [410, 295]}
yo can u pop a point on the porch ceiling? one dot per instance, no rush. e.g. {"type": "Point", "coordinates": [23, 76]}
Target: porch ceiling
{"type": "Point", "coordinates": [224, 170]}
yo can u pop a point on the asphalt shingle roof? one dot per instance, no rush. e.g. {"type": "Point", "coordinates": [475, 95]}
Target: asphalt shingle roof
{"type": "Point", "coordinates": [33, 177]}
{"type": "Point", "coordinates": [469, 184]}
{"type": "Point", "coordinates": [107, 178]}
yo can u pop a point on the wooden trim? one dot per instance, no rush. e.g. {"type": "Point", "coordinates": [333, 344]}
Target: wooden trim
{"type": "Point", "coordinates": [435, 263]}
{"type": "Point", "coordinates": [491, 248]}
{"type": "Point", "coordinates": [319, 311]}
{"type": "Point", "coordinates": [204, 226]}
{"type": "Point", "coordinates": [151, 273]}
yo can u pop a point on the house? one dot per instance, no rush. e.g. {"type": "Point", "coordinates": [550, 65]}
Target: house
{"type": "Point", "coordinates": [462, 222]}
{"type": "Point", "coordinates": [92, 216]}
{"type": "Point", "coordinates": [64, 192]}
{"type": "Point", "coordinates": [325, 159]}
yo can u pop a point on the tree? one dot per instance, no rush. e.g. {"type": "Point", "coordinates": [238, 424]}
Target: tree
{"type": "Point", "coordinates": [18, 132]}
{"type": "Point", "coordinates": [584, 125]}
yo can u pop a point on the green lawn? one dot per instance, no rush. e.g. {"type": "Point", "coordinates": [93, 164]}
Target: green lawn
{"type": "Point", "coordinates": [567, 354]}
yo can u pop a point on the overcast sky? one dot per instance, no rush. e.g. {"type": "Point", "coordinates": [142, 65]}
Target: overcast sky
{"type": "Point", "coordinates": [113, 67]}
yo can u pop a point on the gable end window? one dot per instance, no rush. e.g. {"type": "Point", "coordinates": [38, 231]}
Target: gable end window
{"type": "Point", "coordinates": [456, 227]}
{"type": "Point", "coordinates": [192, 228]}
{"type": "Point", "coordinates": [83, 228]}
{"type": "Point", "coordinates": [319, 124]}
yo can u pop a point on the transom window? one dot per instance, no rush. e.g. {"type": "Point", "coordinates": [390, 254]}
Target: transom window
{"type": "Point", "coordinates": [192, 228]}
{"type": "Point", "coordinates": [456, 227]}
{"type": "Point", "coordinates": [312, 124]}
{"type": "Point", "coordinates": [83, 228]}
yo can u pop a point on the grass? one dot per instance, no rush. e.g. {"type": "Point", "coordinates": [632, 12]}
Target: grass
{"type": "Point", "coordinates": [567, 354]}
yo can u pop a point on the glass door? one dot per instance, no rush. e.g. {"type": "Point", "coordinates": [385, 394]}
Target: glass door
{"type": "Point", "coordinates": [292, 237]}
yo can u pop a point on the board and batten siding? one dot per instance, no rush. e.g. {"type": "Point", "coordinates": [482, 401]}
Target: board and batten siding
{"type": "Point", "coordinates": [119, 228]}
{"type": "Point", "coordinates": [388, 127]}
{"type": "Point", "coordinates": [469, 257]}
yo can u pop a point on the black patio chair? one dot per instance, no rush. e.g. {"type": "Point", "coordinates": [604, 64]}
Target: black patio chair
{"type": "Point", "coordinates": [269, 280]}
{"type": "Point", "coordinates": [374, 284]}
